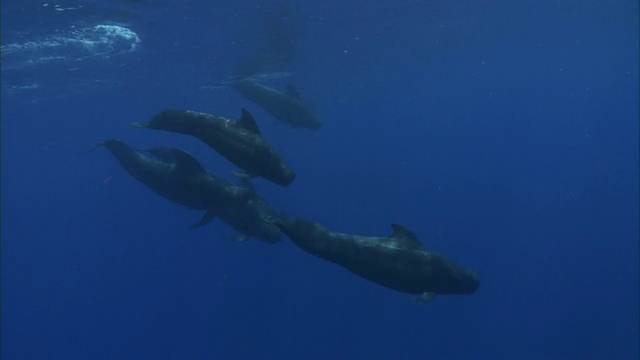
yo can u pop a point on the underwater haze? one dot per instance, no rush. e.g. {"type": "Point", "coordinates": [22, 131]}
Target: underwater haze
{"type": "Point", "coordinates": [504, 134]}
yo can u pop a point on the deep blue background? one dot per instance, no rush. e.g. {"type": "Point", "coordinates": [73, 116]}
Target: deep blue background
{"type": "Point", "coordinates": [504, 134]}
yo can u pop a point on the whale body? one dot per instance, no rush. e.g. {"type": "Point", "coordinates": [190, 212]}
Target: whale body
{"type": "Point", "coordinates": [398, 262]}
{"type": "Point", "coordinates": [238, 141]}
{"type": "Point", "coordinates": [286, 106]}
{"type": "Point", "coordinates": [175, 175]}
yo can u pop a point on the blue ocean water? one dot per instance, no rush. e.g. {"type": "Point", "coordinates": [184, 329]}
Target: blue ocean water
{"type": "Point", "coordinates": [504, 134]}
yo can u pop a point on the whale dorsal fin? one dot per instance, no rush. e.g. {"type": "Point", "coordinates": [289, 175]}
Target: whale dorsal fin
{"type": "Point", "coordinates": [293, 92]}
{"type": "Point", "coordinates": [248, 122]}
{"type": "Point", "coordinates": [405, 237]}
{"type": "Point", "coordinates": [186, 161]}
{"type": "Point", "coordinates": [183, 160]}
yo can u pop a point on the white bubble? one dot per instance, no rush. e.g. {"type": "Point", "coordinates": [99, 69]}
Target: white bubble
{"type": "Point", "coordinates": [75, 45]}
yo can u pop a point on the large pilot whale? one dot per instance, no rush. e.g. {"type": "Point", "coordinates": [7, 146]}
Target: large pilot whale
{"type": "Point", "coordinates": [238, 141]}
{"type": "Point", "coordinates": [287, 106]}
{"type": "Point", "coordinates": [245, 215]}
{"type": "Point", "coordinates": [398, 262]}
{"type": "Point", "coordinates": [177, 176]}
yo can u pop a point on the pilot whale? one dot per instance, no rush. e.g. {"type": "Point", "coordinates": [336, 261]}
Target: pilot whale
{"type": "Point", "coordinates": [178, 177]}
{"type": "Point", "coordinates": [398, 262]}
{"type": "Point", "coordinates": [238, 141]}
{"type": "Point", "coordinates": [244, 214]}
{"type": "Point", "coordinates": [286, 106]}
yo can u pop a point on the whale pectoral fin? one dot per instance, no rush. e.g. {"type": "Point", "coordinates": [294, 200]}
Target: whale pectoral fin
{"type": "Point", "coordinates": [206, 218]}
{"type": "Point", "coordinates": [426, 297]}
